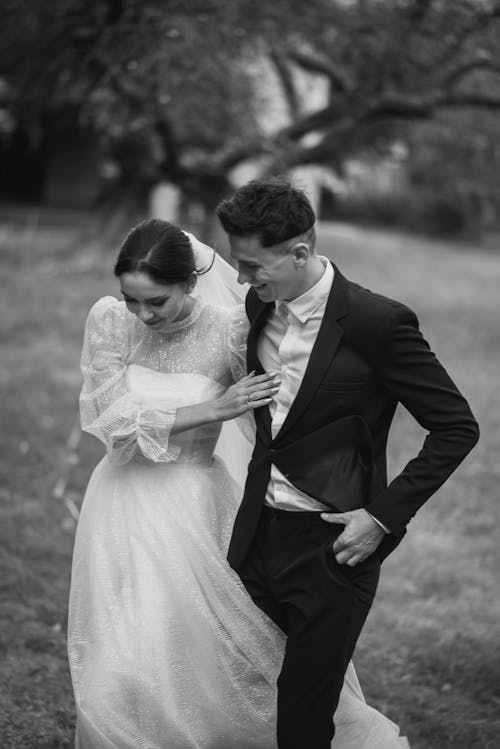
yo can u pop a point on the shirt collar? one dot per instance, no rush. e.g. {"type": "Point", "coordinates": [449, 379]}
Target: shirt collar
{"type": "Point", "coordinates": [305, 305]}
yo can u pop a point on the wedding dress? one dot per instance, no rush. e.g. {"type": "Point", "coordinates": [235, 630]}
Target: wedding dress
{"type": "Point", "coordinates": [166, 648]}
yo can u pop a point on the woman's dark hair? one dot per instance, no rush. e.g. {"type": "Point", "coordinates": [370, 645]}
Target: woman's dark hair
{"type": "Point", "coordinates": [271, 209]}
{"type": "Point", "coordinates": [159, 249]}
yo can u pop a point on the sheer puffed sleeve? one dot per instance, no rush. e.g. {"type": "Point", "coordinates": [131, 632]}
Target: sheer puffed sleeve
{"type": "Point", "coordinates": [121, 419]}
{"type": "Point", "coordinates": [237, 359]}
{"type": "Point", "coordinates": [237, 342]}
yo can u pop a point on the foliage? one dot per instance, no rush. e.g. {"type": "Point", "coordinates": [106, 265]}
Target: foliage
{"type": "Point", "coordinates": [175, 88]}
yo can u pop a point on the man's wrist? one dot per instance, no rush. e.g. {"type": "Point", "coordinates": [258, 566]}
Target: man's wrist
{"type": "Point", "coordinates": [379, 523]}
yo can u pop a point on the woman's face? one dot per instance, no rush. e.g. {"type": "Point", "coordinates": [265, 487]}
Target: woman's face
{"type": "Point", "coordinates": [156, 305]}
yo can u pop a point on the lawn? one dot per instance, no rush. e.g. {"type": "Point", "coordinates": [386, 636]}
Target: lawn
{"type": "Point", "coordinates": [429, 654]}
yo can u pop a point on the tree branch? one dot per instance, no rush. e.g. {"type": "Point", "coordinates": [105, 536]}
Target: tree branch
{"type": "Point", "coordinates": [234, 155]}
{"type": "Point", "coordinates": [477, 101]}
{"type": "Point", "coordinates": [423, 107]}
{"type": "Point", "coordinates": [458, 73]}
{"type": "Point", "coordinates": [339, 123]}
{"type": "Point", "coordinates": [285, 76]}
{"type": "Point", "coordinates": [314, 63]}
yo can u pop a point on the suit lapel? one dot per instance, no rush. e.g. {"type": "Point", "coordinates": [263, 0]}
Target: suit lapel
{"type": "Point", "coordinates": [323, 351]}
{"type": "Point", "coordinates": [262, 313]}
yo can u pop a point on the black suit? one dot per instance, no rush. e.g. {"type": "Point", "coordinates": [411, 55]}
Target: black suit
{"type": "Point", "coordinates": [368, 356]}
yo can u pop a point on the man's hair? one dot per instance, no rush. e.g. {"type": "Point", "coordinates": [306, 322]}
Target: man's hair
{"type": "Point", "coordinates": [271, 209]}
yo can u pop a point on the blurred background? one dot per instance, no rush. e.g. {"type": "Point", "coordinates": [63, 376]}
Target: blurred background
{"type": "Point", "coordinates": [388, 114]}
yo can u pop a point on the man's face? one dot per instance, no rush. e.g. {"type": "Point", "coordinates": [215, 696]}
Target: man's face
{"type": "Point", "coordinates": [272, 271]}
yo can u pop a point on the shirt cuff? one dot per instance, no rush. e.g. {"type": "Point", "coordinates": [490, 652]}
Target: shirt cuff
{"type": "Point", "coordinates": [386, 530]}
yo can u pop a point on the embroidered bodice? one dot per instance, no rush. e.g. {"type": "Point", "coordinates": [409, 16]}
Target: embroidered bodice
{"type": "Point", "coordinates": [135, 378]}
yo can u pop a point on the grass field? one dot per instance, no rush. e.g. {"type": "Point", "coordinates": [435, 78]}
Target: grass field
{"type": "Point", "coordinates": [429, 656]}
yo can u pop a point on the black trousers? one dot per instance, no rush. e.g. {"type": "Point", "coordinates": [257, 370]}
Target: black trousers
{"type": "Point", "coordinates": [292, 574]}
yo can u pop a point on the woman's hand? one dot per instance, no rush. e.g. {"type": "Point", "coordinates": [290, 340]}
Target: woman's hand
{"type": "Point", "coordinates": [252, 391]}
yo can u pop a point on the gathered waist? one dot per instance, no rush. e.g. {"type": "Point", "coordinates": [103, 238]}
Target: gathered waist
{"type": "Point", "coordinates": [188, 455]}
{"type": "Point", "coordinates": [201, 460]}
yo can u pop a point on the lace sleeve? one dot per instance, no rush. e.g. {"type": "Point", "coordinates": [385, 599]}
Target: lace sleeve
{"type": "Point", "coordinates": [237, 342]}
{"type": "Point", "coordinates": [237, 355]}
{"type": "Point", "coordinates": [109, 411]}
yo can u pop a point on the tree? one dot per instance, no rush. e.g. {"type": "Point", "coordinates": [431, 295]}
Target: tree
{"type": "Point", "coordinates": [174, 87]}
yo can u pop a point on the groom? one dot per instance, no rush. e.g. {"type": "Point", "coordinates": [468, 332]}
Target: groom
{"type": "Point", "coordinates": [317, 516]}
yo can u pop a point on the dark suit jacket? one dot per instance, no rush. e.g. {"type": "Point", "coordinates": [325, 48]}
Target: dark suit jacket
{"type": "Point", "coordinates": [368, 356]}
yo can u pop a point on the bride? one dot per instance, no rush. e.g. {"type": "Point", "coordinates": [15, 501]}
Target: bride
{"type": "Point", "coordinates": [166, 648]}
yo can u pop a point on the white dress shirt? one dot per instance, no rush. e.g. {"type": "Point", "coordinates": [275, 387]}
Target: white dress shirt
{"type": "Point", "coordinates": [284, 347]}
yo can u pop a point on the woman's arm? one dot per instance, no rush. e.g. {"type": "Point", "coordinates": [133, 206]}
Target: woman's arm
{"type": "Point", "coordinates": [120, 418]}
{"type": "Point", "coordinates": [109, 410]}
{"type": "Point", "coordinates": [250, 392]}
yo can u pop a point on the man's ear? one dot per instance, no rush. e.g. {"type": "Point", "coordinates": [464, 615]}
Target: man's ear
{"type": "Point", "coordinates": [300, 252]}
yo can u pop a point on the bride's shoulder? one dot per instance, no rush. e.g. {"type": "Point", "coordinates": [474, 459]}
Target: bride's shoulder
{"type": "Point", "coordinates": [225, 320]}
{"type": "Point", "coordinates": [108, 312]}
{"type": "Point", "coordinates": [107, 305]}
{"type": "Point", "coordinates": [224, 314]}
{"type": "Point", "coordinates": [231, 323]}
